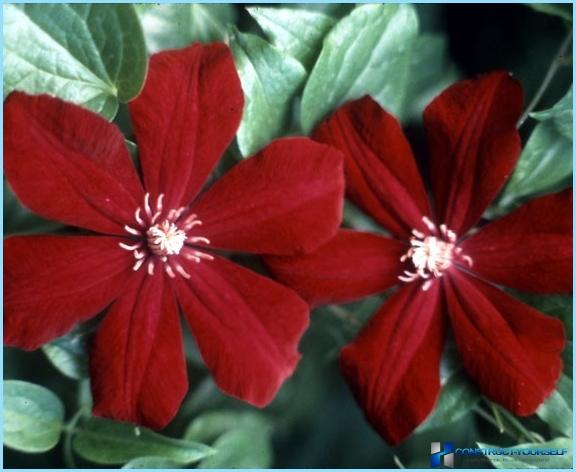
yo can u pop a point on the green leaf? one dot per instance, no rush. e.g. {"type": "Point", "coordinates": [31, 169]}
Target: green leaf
{"type": "Point", "coordinates": [367, 52]}
{"type": "Point", "coordinates": [240, 449]}
{"type": "Point", "coordinates": [298, 33]}
{"type": "Point", "coordinates": [208, 426]}
{"type": "Point", "coordinates": [69, 353]}
{"type": "Point", "coordinates": [91, 55]}
{"type": "Point", "coordinates": [152, 463]}
{"type": "Point", "coordinates": [563, 10]}
{"type": "Point", "coordinates": [243, 439]}
{"type": "Point", "coordinates": [457, 398]}
{"type": "Point", "coordinates": [109, 442]}
{"type": "Point", "coordinates": [531, 461]}
{"type": "Point", "coordinates": [557, 410]}
{"type": "Point", "coordinates": [270, 79]}
{"type": "Point", "coordinates": [545, 164]}
{"type": "Point", "coordinates": [33, 417]}
{"type": "Point", "coordinates": [19, 220]}
{"type": "Point", "coordinates": [430, 73]}
{"type": "Point", "coordinates": [175, 26]}
{"type": "Point", "coordinates": [560, 114]}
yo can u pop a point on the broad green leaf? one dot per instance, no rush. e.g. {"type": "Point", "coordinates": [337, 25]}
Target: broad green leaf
{"type": "Point", "coordinates": [109, 442]}
{"type": "Point", "coordinates": [270, 79]}
{"type": "Point", "coordinates": [33, 417]}
{"type": "Point", "coordinates": [243, 439]}
{"type": "Point", "coordinates": [19, 220]}
{"type": "Point", "coordinates": [367, 52]}
{"type": "Point", "coordinates": [69, 353]}
{"type": "Point", "coordinates": [533, 461]}
{"type": "Point", "coordinates": [560, 114]}
{"type": "Point", "coordinates": [208, 426]}
{"type": "Point", "coordinates": [430, 73]}
{"type": "Point", "coordinates": [545, 164]}
{"type": "Point", "coordinates": [299, 33]}
{"type": "Point", "coordinates": [457, 398]}
{"type": "Point", "coordinates": [152, 463]}
{"type": "Point", "coordinates": [240, 449]}
{"type": "Point", "coordinates": [557, 410]}
{"type": "Point", "coordinates": [91, 55]}
{"type": "Point", "coordinates": [174, 26]}
{"type": "Point", "coordinates": [563, 10]}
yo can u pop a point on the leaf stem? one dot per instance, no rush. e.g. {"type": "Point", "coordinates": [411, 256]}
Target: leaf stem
{"type": "Point", "coordinates": [398, 462]}
{"type": "Point", "coordinates": [69, 430]}
{"type": "Point", "coordinates": [498, 418]}
{"type": "Point", "coordinates": [519, 426]}
{"type": "Point", "coordinates": [554, 66]}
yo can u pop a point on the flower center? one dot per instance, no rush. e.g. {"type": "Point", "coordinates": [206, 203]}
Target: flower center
{"type": "Point", "coordinates": [164, 242]}
{"type": "Point", "coordinates": [165, 239]}
{"type": "Point", "coordinates": [431, 254]}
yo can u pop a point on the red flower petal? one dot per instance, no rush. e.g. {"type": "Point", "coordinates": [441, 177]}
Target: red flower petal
{"type": "Point", "coordinates": [474, 145]}
{"type": "Point", "coordinates": [511, 350]}
{"type": "Point", "coordinates": [393, 365]}
{"type": "Point", "coordinates": [185, 118]}
{"type": "Point", "coordinates": [53, 282]}
{"type": "Point", "coordinates": [137, 364]}
{"type": "Point", "coordinates": [247, 327]}
{"type": "Point", "coordinates": [381, 174]}
{"type": "Point", "coordinates": [530, 249]}
{"type": "Point", "coordinates": [68, 164]}
{"type": "Point", "coordinates": [352, 265]}
{"type": "Point", "coordinates": [286, 199]}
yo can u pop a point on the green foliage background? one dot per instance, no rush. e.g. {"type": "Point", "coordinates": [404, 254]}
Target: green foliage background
{"type": "Point", "coordinates": [297, 63]}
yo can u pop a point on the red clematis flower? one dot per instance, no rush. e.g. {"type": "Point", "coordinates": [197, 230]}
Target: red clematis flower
{"type": "Point", "coordinates": [447, 270]}
{"type": "Point", "coordinates": [154, 250]}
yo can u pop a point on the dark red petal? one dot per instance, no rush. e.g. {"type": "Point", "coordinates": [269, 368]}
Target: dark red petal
{"type": "Point", "coordinates": [511, 350]}
{"type": "Point", "coordinates": [137, 364]}
{"type": "Point", "coordinates": [53, 282]}
{"type": "Point", "coordinates": [286, 199]}
{"type": "Point", "coordinates": [247, 327]}
{"type": "Point", "coordinates": [69, 164]}
{"type": "Point", "coordinates": [530, 249]}
{"type": "Point", "coordinates": [352, 265]}
{"type": "Point", "coordinates": [474, 145]}
{"type": "Point", "coordinates": [185, 118]}
{"type": "Point", "coordinates": [381, 174]}
{"type": "Point", "coordinates": [393, 365]}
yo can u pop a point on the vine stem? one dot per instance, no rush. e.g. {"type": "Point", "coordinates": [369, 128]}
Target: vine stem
{"type": "Point", "coordinates": [554, 66]}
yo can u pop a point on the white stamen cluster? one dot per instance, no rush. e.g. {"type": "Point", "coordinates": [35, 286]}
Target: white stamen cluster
{"type": "Point", "coordinates": [431, 254]}
{"type": "Point", "coordinates": [160, 238]}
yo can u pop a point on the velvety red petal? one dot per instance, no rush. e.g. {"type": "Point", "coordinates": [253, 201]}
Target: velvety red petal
{"type": "Point", "coordinates": [287, 199]}
{"type": "Point", "coordinates": [351, 265]}
{"type": "Point", "coordinates": [529, 249]}
{"type": "Point", "coordinates": [511, 350]}
{"type": "Point", "coordinates": [53, 282]}
{"type": "Point", "coordinates": [247, 327]}
{"type": "Point", "coordinates": [393, 365]}
{"type": "Point", "coordinates": [474, 145]}
{"type": "Point", "coordinates": [185, 117]}
{"type": "Point", "coordinates": [137, 364]}
{"type": "Point", "coordinates": [69, 164]}
{"type": "Point", "coordinates": [381, 174]}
